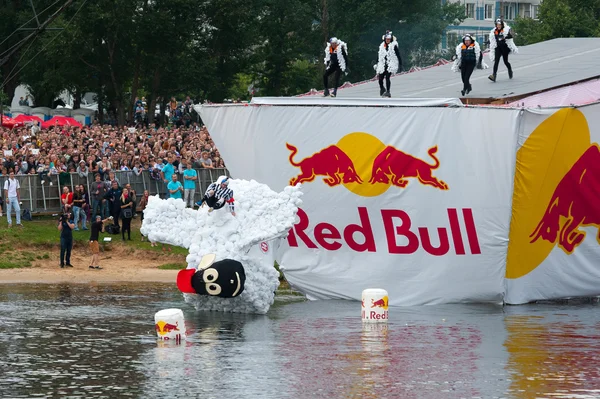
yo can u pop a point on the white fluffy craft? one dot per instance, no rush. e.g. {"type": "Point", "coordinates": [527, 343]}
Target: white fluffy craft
{"type": "Point", "coordinates": [338, 50]}
{"type": "Point", "coordinates": [456, 64]}
{"type": "Point", "coordinates": [262, 215]}
{"type": "Point", "coordinates": [509, 42]}
{"type": "Point", "coordinates": [388, 55]}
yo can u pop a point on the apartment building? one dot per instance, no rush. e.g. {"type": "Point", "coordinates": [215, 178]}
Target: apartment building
{"type": "Point", "coordinates": [481, 15]}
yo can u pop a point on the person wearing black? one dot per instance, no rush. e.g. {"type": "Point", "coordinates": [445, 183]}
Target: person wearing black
{"type": "Point", "coordinates": [113, 196]}
{"type": "Point", "coordinates": [467, 54]}
{"type": "Point", "coordinates": [66, 239]}
{"type": "Point", "coordinates": [336, 62]}
{"type": "Point", "coordinates": [501, 44]}
{"type": "Point", "coordinates": [389, 62]}
{"type": "Point", "coordinates": [97, 227]}
{"type": "Point", "coordinates": [126, 205]}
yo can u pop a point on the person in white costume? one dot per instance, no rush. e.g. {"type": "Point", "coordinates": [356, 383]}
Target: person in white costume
{"type": "Point", "coordinates": [501, 44]}
{"type": "Point", "coordinates": [467, 54]}
{"type": "Point", "coordinates": [336, 62]}
{"type": "Point", "coordinates": [389, 62]}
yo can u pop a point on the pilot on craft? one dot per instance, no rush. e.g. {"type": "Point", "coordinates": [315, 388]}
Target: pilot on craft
{"type": "Point", "coordinates": [218, 194]}
{"type": "Point", "coordinates": [336, 62]}
{"type": "Point", "coordinates": [501, 44]}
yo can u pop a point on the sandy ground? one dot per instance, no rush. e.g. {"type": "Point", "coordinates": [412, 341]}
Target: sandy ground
{"type": "Point", "coordinates": [118, 265]}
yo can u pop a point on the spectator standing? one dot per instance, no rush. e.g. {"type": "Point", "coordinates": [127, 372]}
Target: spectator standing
{"type": "Point", "coordinates": [12, 193]}
{"type": "Point", "coordinates": [79, 207]}
{"type": "Point", "coordinates": [206, 161]}
{"type": "Point", "coordinates": [189, 184]}
{"type": "Point", "coordinates": [77, 202]}
{"type": "Point", "coordinates": [133, 197]}
{"type": "Point", "coordinates": [97, 227]}
{"type": "Point", "coordinates": [167, 172]}
{"type": "Point", "coordinates": [112, 196]}
{"type": "Point", "coordinates": [66, 239]}
{"type": "Point", "coordinates": [97, 196]}
{"type": "Point", "coordinates": [83, 170]}
{"type": "Point", "coordinates": [143, 204]}
{"type": "Point", "coordinates": [66, 199]}
{"type": "Point", "coordinates": [85, 205]}
{"type": "Point", "coordinates": [174, 187]}
{"type": "Point", "coordinates": [126, 205]}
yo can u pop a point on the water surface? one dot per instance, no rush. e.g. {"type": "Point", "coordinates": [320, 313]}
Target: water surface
{"type": "Point", "coordinates": [99, 341]}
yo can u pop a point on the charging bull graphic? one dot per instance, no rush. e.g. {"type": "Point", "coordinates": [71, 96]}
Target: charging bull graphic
{"type": "Point", "coordinates": [398, 165]}
{"type": "Point", "coordinates": [164, 328]}
{"type": "Point", "coordinates": [331, 162]}
{"type": "Point", "coordinates": [575, 199]}
{"type": "Point", "coordinates": [380, 303]}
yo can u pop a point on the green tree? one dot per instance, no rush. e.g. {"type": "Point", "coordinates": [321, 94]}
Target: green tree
{"type": "Point", "coordinates": [560, 18]}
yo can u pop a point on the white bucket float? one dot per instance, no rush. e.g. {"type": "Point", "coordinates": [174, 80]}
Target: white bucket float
{"type": "Point", "coordinates": [375, 305]}
{"type": "Point", "coordinates": [170, 325]}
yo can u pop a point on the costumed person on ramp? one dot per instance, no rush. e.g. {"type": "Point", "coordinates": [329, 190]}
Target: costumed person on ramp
{"type": "Point", "coordinates": [501, 44]}
{"type": "Point", "coordinates": [218, 194]}
{"type": "Point", "coordinates": [336, 62]}
{"type": "Point", "coordinates": [467, 54]}
{"type": "Point", "coordinates": [389, 62]}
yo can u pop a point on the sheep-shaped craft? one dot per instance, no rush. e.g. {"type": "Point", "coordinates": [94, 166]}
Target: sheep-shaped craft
{"type": "Point", "coordinates": [225, 270]}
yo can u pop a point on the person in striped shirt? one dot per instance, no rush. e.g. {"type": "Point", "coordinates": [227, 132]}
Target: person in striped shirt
{"type": "Point", "coordinates": [218, 194]}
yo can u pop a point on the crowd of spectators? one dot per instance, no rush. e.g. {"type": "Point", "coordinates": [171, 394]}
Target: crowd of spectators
{"type": "Point", "coordinates": [96, 152]}
{"type": "Point", "coordinates": [100, 149]}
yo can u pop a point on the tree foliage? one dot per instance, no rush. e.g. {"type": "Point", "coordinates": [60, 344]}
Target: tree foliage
{"type": "Point", "coordinates": [207, 49]}
{"type": "Point", "coordinates": [560, 18]}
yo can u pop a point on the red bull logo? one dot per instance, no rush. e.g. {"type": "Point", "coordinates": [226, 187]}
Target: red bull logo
{"type": "Point", "coordinates": [574, 203]}
{"type": "Point", "coordinates": [376, 310]}
{"type": "Point", "coordinates": [366, 166]}
{"type": "Point", "coordinates": [557, 186]}
{"type": "Point", "coordinates": [398, 227]}
{"type": "Point", "coordinates": [380, 303]}
{"type": "Point", "coordinates": [331, 162]}
{"type": "Point", "coordinates": [396, 166]}
{"type": "Point", "coordinates": [163, 328]}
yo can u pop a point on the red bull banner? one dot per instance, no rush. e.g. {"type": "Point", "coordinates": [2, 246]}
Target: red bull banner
{"type": "Point", "coordinates": [413, 200]}
{"type": "Point", "coordinates": [554, 249]}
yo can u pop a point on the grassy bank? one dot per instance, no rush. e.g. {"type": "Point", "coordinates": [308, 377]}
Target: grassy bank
{"type": "Point", "coordinates": [40, 238]}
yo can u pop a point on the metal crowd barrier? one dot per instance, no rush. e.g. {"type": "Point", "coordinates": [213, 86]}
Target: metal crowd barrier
{"type": "Point", "coordinates": [45, 198]}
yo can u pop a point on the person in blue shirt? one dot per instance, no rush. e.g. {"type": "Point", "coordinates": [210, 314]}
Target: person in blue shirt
{"type": "Point", "coordinates": [175, 188]}
{"type": "Point", "coordinates": [167, 171]}
{"type": "Point", "coordinates": [189, 184]}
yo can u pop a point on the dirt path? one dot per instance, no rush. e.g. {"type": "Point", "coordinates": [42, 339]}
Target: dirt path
{"type": "Point", "coordinates": [119, 265]}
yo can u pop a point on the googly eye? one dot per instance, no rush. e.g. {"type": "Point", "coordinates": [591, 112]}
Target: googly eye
{"type": "Point", "coordinates": [213, 289]}
{"type": "Point", "coordinates": [210, 275]}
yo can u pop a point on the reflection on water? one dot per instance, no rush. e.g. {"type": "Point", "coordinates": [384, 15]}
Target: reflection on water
{"type": "Point", "coordinates": [99, 341]}
{"type": "Point", "coordinates": [555, 354]}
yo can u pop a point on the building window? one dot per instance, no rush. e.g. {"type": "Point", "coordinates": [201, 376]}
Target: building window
{"type": "Point", "coordinates": [470, 10]}
{"type": "Point", "coordinates": [489, 11]}
{"type": "Point", "coordinates": [524, 10]}
{"type": "Point", "coordinates": [453, 39]}
{"type": "Point", "coordinates": [509, 12]}
{"type": "Point", "coordinates": [535, 12]}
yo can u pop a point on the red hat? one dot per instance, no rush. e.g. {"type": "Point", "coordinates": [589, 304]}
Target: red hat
{"type": "Point", "coordinates": [184, 281]}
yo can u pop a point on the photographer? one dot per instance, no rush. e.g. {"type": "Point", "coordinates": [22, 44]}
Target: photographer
{"type": "Point", "coordinates": [96, 228]}
{"type": "Point", "coordinates": [66, 239]}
